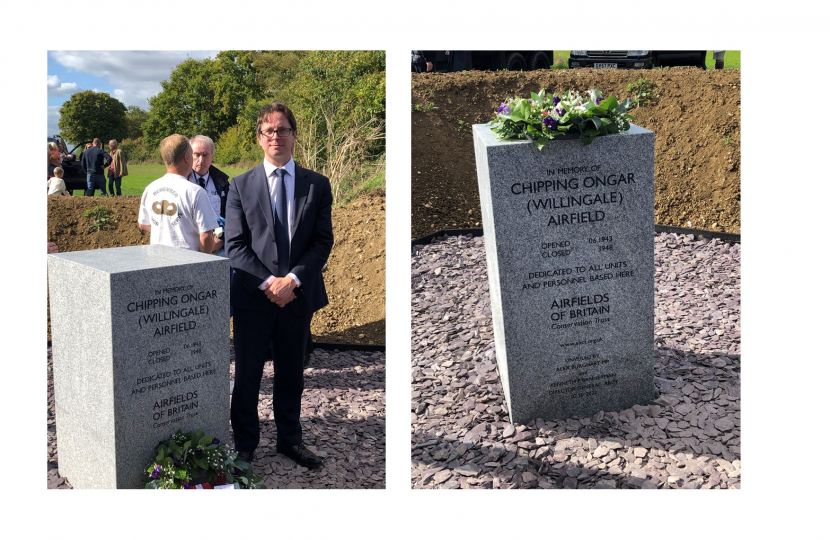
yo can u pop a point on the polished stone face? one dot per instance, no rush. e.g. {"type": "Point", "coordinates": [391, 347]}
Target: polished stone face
{"type": "Point", "coordinates": [140, 343]}
{"type": "Point", "coordinates": [569, 239]}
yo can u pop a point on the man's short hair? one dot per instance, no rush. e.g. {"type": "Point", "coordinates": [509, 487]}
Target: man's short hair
{"type": "Point", "coordinates": [173, 149]}
{"type": "Point", "coordinates": [270, 108]}
{"type": "Point", "coordinates": [113, 143]}
{"type": "Point", "coordinates": [58, 171]}
{"type": "Point", "coordinates": [96, 142]}
{"type": "Point", "coordinates": [205, 140]}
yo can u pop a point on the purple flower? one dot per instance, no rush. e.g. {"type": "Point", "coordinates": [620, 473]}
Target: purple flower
{"type": "Point", "coordinates": [598, 100]}
{"type": "Point", "coordinates": [215, 440]}
{"type": "Point", "coordinates": [175, 461]}
{"type": "Point", "coordinates": [198, 451]}
{"type": "Point", "coordinates": [549, 122]}
{"type": "Point", "coordinates": [156, 471]}
{"type": "Point", "coordinates": [556, 101]}
{"type": "Point", "coordinates": [560, 112]}
{"type": "Point", "coordinates": [185, 486]}
{"type": "Point", "coordinates": [504, 109]}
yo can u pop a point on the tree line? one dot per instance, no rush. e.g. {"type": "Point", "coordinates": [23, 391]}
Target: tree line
{"type": "Point", "coordinates": [338, 98]}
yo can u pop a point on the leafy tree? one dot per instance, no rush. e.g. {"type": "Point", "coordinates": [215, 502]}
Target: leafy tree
{"type": "Point", "coordinates": [89, 114]}
{"type": "Point", "coordinates": [354, 80]}
{"type": "Point", "coordinates": [136, 151]}
{"type": "Point", "coordinates": [233, 146]}
{"type": "Point", "coordinates": [338, 98]}
{"type": "Point", "coordinates": [276, 70]}
{"type": "Point", "coordinates": [136, 116]}
{"type": "Point", "coordinates": [343, 92]}
{"type": "Point", "coordinates": [327, 90]}
{"type": "Point", "coordinates": [203, 96]}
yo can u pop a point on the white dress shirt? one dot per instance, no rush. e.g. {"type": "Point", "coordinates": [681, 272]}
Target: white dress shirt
{"type": "Point", "coordinates": [210, 188]}
{"type": "Point", "coordinates": [273, 184]}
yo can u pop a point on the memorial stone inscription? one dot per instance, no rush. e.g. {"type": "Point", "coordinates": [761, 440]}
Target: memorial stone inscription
{"type": "Point", "coordinates": [570, 260]}
{"type": "Point", "coordinates": [140, 349]}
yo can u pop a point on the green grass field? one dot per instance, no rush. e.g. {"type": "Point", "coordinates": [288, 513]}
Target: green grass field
{"type": "Point", "coordinates": [731, 60]}
{"type": "Point", "coordinates": [141, 175]}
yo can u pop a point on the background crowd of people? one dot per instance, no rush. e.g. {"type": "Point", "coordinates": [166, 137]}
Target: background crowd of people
{"type": "Point", "coordinates": [94, 161]}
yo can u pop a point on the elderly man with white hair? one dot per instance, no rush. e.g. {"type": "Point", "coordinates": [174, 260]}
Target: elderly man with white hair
{"type": "Point", "coordinates": [211, 179]}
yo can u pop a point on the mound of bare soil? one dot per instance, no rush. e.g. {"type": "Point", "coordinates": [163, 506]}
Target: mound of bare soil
{"type": "Point", "coordinates": [355, 277]}
{"type": "Point", "coordinates": [695, 115]}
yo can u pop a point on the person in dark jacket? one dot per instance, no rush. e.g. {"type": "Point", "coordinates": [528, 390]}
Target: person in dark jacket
{"type": "Point", "coordinates": [214, 181]}
{"type": "Point", "coordinates": [279, 236]}
{"type": "Point", "coordinates": [423, 61]}
{"type": "Point", "coordinates": [459, 61]}
{"type": "Point", "coordinates": [93, 162]}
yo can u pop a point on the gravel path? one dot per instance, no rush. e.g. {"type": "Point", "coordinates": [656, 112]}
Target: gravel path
{"type": "Point", "coordinates": [687, 437]}
{"type": "Point", "coordinates": [343, 416]}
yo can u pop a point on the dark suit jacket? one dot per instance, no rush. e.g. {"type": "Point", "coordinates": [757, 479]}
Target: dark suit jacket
{"type": "Point", "coordinates": [94, 160]}
{"type": "Point", "coordinates": [220, 181]}
{"type": "Point", "coordinates": [251, 242]}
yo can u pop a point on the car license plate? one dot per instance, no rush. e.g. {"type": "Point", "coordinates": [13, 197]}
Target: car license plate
{"type": "Point", "coordinates": [605, 66]}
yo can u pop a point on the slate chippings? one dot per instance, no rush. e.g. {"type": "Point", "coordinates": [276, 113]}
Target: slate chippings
{"type": "Point", "coordinates": [688, 436]}
{"type": "Point", "coordinates": [343, 417]}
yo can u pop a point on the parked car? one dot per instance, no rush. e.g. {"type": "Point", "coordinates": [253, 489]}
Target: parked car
{"type": "Point", "coordinates": [73, 175]}
{"type": "Point", "coordinates": [499, 60]}
{"type": "Point", "coordinates": [636, 59]}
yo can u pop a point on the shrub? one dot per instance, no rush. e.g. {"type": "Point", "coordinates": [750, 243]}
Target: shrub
{"type": "Point", "coordinates": [643, 92]}
{"type": "Point", "coordinates": [229, 147]}
{"type": "Point", "coordinates": [138, 151]}
{"type": "Point", "coordinates": [100, 217]}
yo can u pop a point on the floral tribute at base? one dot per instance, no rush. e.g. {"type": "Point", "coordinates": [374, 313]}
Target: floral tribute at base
{"type": "Point", "coordinates": [544, 117]}
{"type": "Point", "coordinates": [188, 460]}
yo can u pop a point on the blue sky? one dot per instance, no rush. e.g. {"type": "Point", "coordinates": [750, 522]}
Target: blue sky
{"type": "Point", "coordinates": [132, 77]}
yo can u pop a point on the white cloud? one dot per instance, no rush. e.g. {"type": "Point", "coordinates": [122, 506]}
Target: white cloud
{"type": "Point", "coordinates": [135, 74]}
{"type": "Point", "coordinates": [137, 93]}
{"type": "Point", "coordinates": [55, 87]}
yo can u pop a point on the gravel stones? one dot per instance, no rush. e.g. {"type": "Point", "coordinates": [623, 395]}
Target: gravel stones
{"type": "Point", "coordinates": [687, 437]}
{"type": "Point", "coordinates": [343, 417]}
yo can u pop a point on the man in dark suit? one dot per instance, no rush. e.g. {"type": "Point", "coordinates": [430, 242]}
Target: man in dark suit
{"type": "Point", "coordinates": [278, 236]}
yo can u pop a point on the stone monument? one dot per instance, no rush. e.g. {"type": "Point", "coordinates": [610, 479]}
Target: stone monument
{"type": "Point", "coordinates": [569, 234]}
{"type": "Point", "coordinates": [140, 348]}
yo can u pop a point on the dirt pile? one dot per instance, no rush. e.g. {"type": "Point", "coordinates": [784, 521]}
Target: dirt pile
{"type": "Point", "coordinates": [355, 277]}
{"type": "Point", "coordinates": [695, 115]}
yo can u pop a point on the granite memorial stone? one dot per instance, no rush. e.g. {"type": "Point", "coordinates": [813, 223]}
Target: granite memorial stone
{"type": "Point", "coordinates": [570, 258]}
{"type": "Point", "coordinates": [140, 348]}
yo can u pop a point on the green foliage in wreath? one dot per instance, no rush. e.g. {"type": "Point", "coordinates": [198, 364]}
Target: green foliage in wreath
{"type": "Point", "coordinates": [187, 459]}
{"type": "Point", "coordinates": [544, 117]}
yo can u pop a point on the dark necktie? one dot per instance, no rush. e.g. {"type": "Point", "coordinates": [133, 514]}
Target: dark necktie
{"type": "Point", "coordinates": [281, 225]}
{"type": "Point", "coordinates": [202, 182]}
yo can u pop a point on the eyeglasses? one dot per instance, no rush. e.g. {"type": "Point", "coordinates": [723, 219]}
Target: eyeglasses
{"type": "Point", "coordinates": [282, 132]}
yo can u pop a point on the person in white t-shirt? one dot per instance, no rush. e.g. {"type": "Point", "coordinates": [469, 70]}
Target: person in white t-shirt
{"type": "Point", "coordinates": [175, 212]}
{"type": "Point", "coordinates": [56, 184]}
